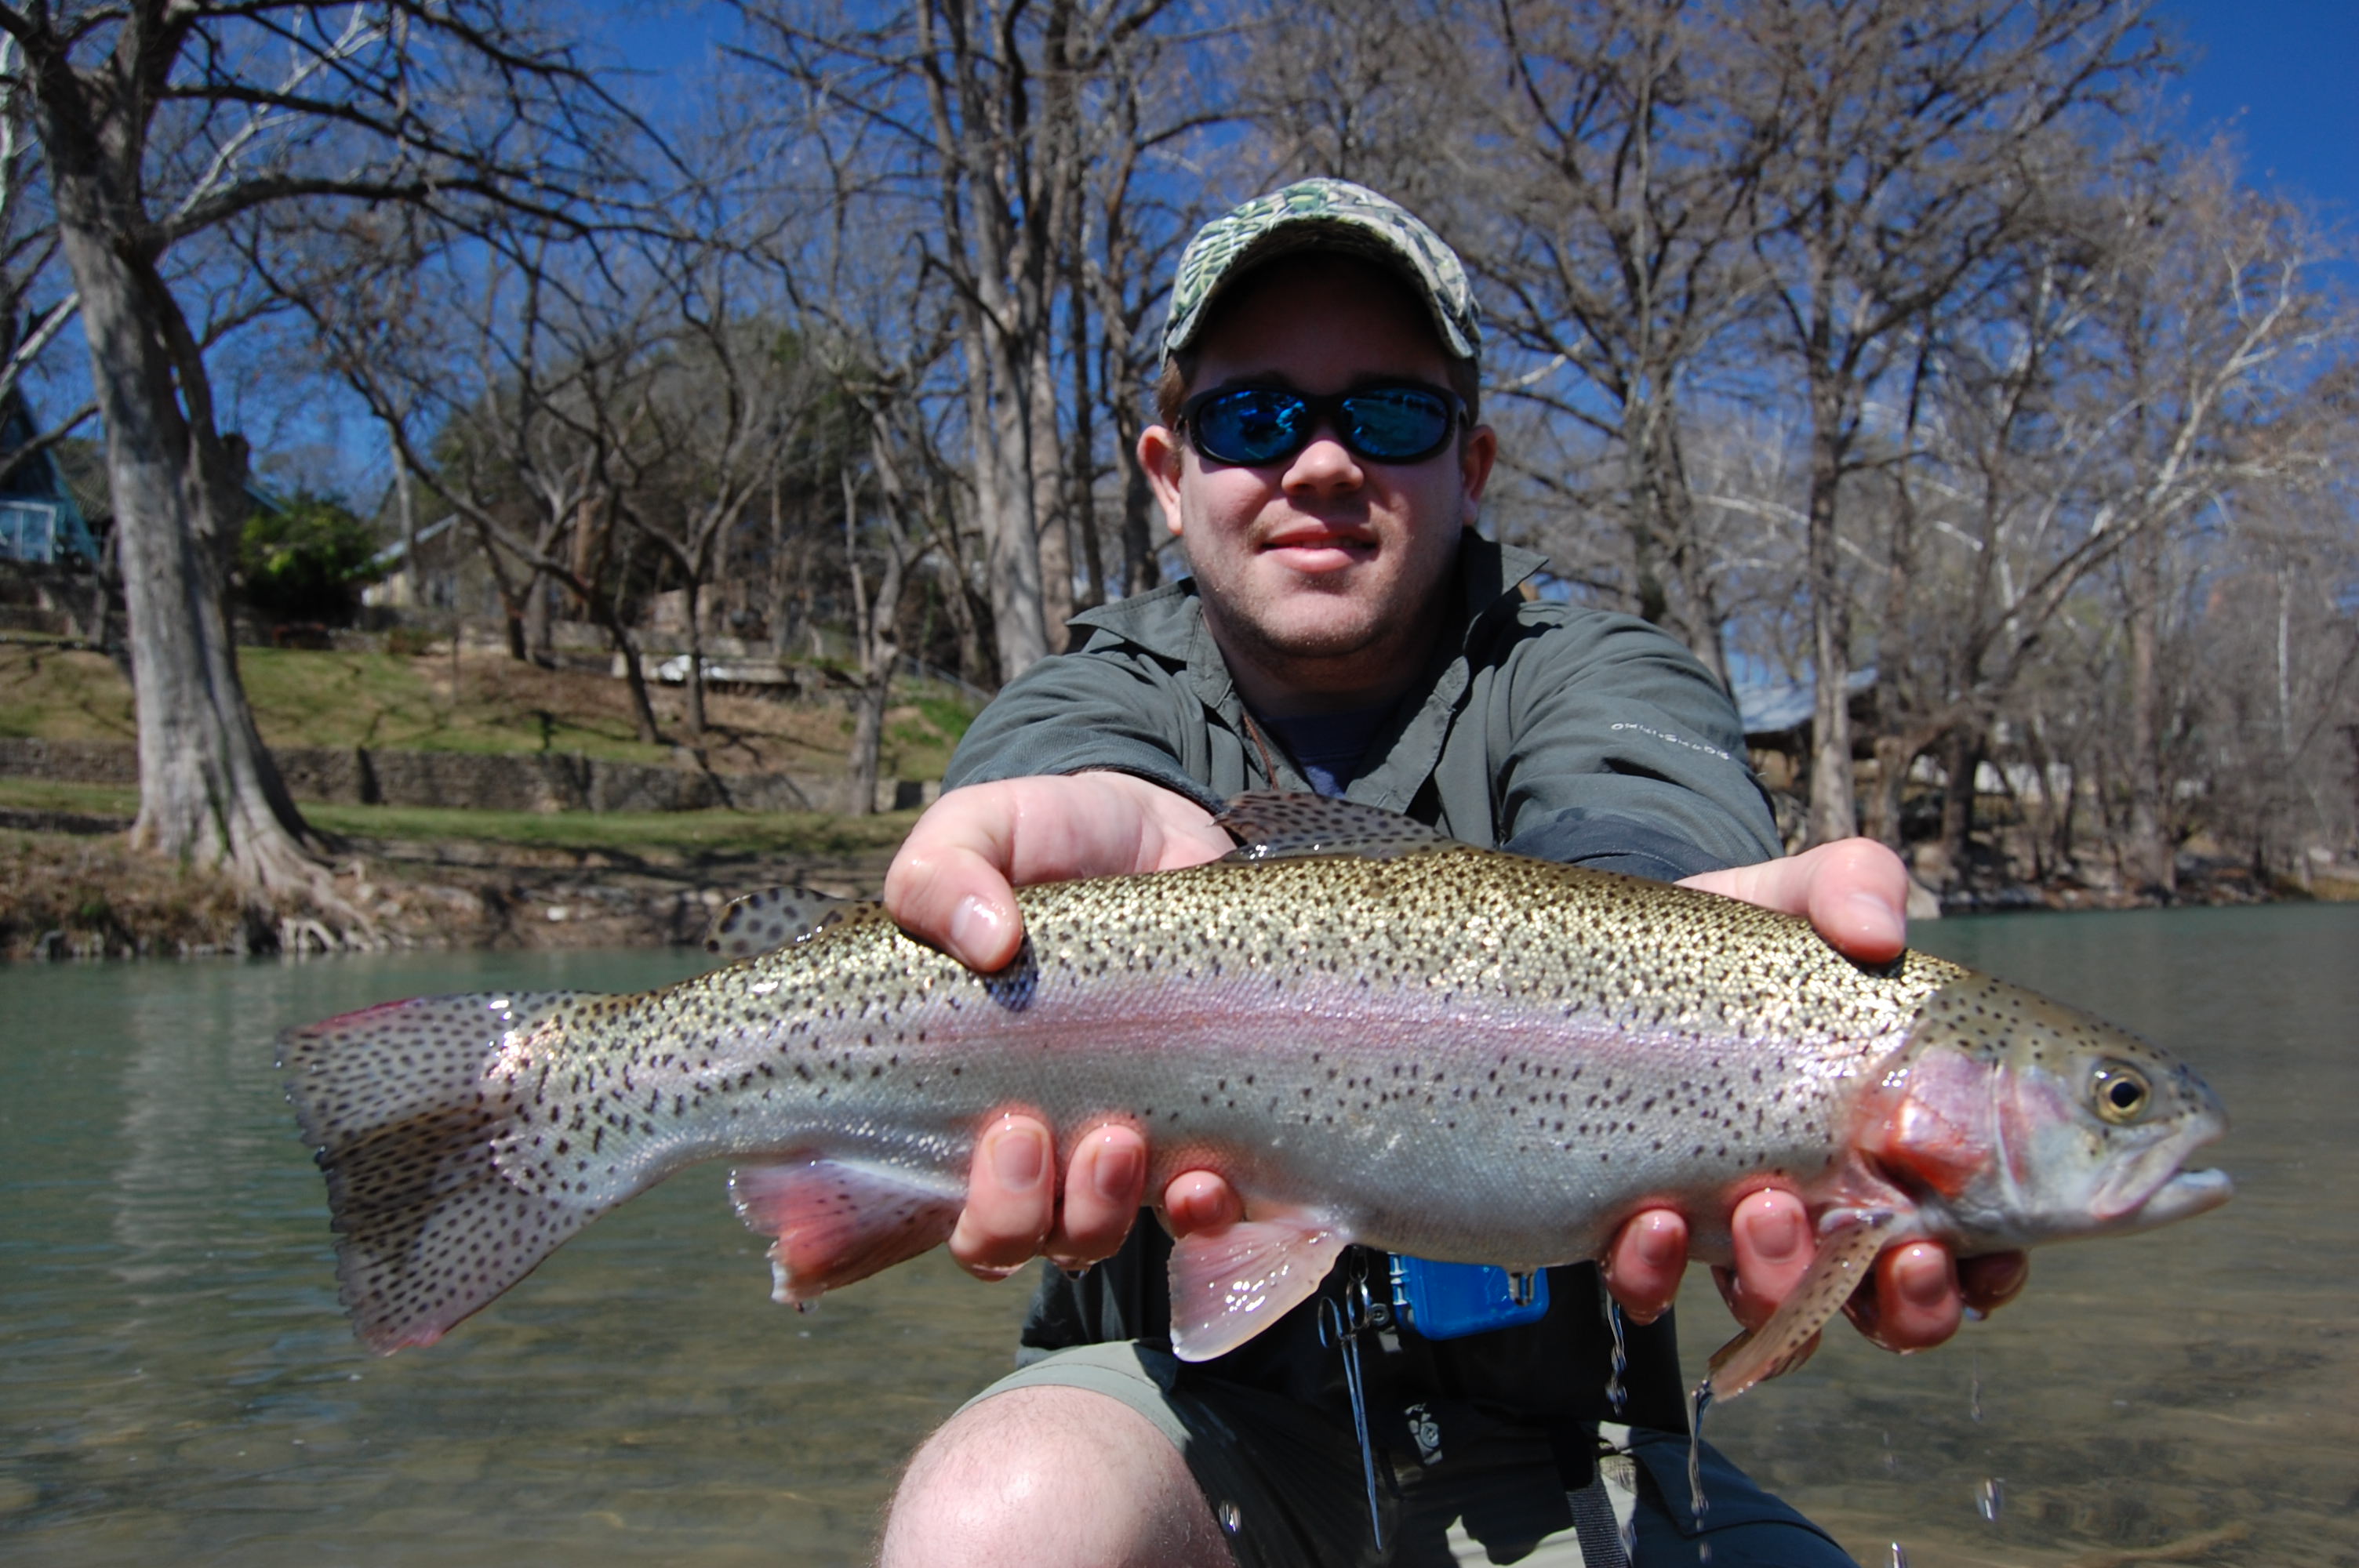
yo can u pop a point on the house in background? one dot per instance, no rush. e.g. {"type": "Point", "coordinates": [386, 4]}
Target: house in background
{"type": "Point", "coordinates": [41, 523]}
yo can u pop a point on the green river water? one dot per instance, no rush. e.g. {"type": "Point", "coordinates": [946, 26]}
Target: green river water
{"type": "Point", "coordinates": [178, 1387]}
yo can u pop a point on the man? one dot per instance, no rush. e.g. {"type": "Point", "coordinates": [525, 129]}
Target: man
{"type": "Point", "coordinates": [1344, 629]}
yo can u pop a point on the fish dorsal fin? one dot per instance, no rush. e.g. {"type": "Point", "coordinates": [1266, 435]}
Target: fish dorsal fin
{"type": "Point", "coordinates": [1849, 1242]}
{"type": "Point", "coordinates": [1270, 825]}
{"type": "Point", "coordinates": [765, 921]}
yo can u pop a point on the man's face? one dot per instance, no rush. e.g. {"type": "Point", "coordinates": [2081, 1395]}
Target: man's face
{"type": "Point", "coordinates": [1322, 575]}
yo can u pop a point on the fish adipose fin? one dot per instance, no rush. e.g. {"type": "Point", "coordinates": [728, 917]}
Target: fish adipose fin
{"type": "Point", "coordinates": [1269, 825]}
{"type": "Point", "coordinates": [406, 1105]}
{"type": "Point", "coordinates": [1848, 1244]}
{"type": "Point", "coordinates": [839, 1220]}
{"type": "Point", "coordinates": [1228, 1285]}
{"type": "Point", "coordinates": [766, 921]}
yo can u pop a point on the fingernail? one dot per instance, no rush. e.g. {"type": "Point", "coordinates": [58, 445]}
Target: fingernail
{"type": "Point", "coordinates": [1116, 1171]}
{"type": "Point", "coordinates": [1780, 1234]}
{"type": "Point", "coordinates": [1998, 1283]}
{"type": "Point", "coordinates": [1658, 1245]}
{"type": "Point", "coordinates": [1923, 1276]}
{"type": "Point", "coordinates": [1018, 1158]}
{"type": "Point", "coordinates": [974, 926]}
{"type": "Point", "coordinates": [1874, 920]}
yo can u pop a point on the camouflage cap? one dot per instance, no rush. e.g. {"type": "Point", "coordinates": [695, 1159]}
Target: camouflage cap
{"type": "Point", "coordinates": [1329, 215]}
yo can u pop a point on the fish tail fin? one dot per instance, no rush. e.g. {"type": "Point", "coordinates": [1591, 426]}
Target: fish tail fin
{"type": "Point", "coordinates": [408, 1106]}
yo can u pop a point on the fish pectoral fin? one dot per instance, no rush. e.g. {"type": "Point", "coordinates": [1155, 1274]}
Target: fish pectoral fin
{"type": "Point", "coordinates": [766, 921]}
{"type": "Point", "coordinates": [1227, 1285]}
{"type": "Point", "coordinates": [835, 1221]}
{"type": "Point", "coordinates": [1849, 1241]}
{"type": "Point", "coordinates": [1271, 825]}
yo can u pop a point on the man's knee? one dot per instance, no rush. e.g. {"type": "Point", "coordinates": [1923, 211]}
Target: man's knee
{"type": "Point", "coordinates": [1048, 1476]}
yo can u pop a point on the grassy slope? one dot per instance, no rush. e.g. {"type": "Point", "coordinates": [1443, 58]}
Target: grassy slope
{"type": "Point", "coordinates": [447, 877]}
{"type": "Point", "coordinates": [484, 703]}
{"type": "Point", "coordinates": [645, 835]}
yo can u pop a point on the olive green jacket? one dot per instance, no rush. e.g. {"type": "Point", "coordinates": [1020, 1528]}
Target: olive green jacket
{"type": "Point", "coordinates": [1586, 729]}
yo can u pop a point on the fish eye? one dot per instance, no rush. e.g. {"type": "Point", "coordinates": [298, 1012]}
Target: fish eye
{"type": "Point", "coordinates": [2121, 1092]}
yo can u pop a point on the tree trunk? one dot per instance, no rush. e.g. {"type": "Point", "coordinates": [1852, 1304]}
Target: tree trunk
{"type": "Point", "coordinates": [873, 628]}
{"type": "Point", "coordinates": [1003, 493]}
{"type": "Point", "coordinates": [539, 636]}
{"type": "Point", "coordinates": [1048, 477]}
{"type": "Point", "coordinates": [635, 678]}
{"type": "Point", "coordinates": [2152, 863]}
{"type": "Point", "coordinates": [1834, 814]}
{"type": "Point", "coordinates": [868, 739]}
{"type": "Point", "coordinates": [1893, 754]}
{"type": "Point", "coordinates": [1650, 601]}
{"type": "Point", "coordinates": [1961, 760]}
{"type": "Point", "coordinates": [690, 601]}
{"type": "Point", "coordinates": [209, 792]}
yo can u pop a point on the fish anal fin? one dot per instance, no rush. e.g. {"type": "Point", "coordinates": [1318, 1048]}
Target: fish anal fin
{"type": "Point", "coordinates": [1271, 825]}
{"type": "Point", "coordinates": [835, 1221]}
{"type": "Point", "coordinates": [1227, 1285]}
{"type": "Point", "coordinates": [1848, 1242]}
{"type": "Point", "coordinates": [766, 921]}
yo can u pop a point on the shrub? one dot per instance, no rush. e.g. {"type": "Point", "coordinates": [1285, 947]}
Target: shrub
{"type": "Point", "coordinates": [305, 561]}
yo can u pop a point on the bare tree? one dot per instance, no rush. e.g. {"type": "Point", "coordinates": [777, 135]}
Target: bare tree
{"type": "Point", "coordinates": [30, 323]}
{"type": "Point", "coordinates": [981, 127]}
{"type": "Point", "coordinates": [2228, 375]}
{"type": "Point", "coordinates": [1907, 140]}
{"type": "Point", "coordinates": [1621, 259]}
{"type": "Point", "coordinates": [160, 123]}
{"type": "Point", "coordinates": [712, 432]}
{"type": "Point", "coordinates": [516, 377]}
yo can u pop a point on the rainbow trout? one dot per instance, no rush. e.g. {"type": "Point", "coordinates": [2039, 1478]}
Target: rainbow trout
{"type": "Point", "coordinates": [1377, 1036]}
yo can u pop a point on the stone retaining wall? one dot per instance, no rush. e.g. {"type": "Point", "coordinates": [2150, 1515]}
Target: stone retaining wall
{"type": "Point", "coordinates": [546, 781]}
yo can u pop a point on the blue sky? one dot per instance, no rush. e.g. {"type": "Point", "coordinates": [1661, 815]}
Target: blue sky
{"type": "Point", "coordinates": [2284, 75]}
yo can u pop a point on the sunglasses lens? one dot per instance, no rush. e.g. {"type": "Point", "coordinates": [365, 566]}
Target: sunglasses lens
{"type": "Point", "coordinates": [1251, 424]}
{"type": "Point", "coordinates": [1396, 424]}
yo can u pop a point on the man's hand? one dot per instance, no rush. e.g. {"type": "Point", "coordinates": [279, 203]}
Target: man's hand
{"type": "Point", "coordinates": [952, 884]}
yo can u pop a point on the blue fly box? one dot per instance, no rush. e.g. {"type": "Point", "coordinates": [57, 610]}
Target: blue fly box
{"type": "Point", "coordinates": [1450, 1301]}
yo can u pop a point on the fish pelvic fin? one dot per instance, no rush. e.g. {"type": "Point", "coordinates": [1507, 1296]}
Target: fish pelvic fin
{"type": "Point", "coordinates": [1848, 1243]}
{"type": "Point", "coordinates": [838, 1220]}
{"type": "Point", "coordinates": [407, 1106]}
{"type": "Point", "coordinates": [1227, 1285]}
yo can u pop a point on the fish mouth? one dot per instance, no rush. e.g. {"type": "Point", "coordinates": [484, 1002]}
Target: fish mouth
{"type": "Point", "coordinates": [2188, 1193]}
{"type": "Point", "coordinates": [2149, 1189]}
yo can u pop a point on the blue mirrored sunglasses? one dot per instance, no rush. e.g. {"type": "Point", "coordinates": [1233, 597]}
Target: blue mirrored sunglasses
{"type": "Point", "coordinates": [1251, 425]}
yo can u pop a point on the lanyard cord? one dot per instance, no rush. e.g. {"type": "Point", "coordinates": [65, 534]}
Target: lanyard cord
{"type": "Point", "coordinates": [1341, 1326]}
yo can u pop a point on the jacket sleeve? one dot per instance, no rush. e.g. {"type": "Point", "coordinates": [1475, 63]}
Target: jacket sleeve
{"type": "Point", "coordinates": [1118, 711]}
{"type": "Point", "coordinates": [1618, 749]}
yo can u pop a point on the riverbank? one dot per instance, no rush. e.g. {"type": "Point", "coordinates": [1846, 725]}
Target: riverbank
{"type": "Point", "coordinates": [71, 886]}
{"type": "Point", "coordinates": [471, 801]}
